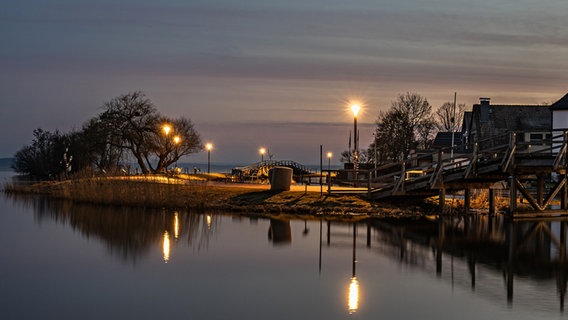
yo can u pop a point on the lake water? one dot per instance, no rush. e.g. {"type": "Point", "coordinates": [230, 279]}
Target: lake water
{"type": "Point", "coordinates": [60, 260]}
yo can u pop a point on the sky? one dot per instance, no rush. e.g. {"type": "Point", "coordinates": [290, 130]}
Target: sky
{"type": "Point", "coordinates": [273, 74]}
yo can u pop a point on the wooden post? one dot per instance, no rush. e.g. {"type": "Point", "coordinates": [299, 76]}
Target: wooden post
{"type": "Point", "coordinates": [564, 194]}
{"type": "Point", "coordinates": [491, 202]}
{"type": "Point", "coordinates": [513, 195]}
{"type": "Point", "coordinates": [442, 199]}
{"type": "Point", "coordinates": [369, 186]}
{"type": "Point", "coordinates": [540, 189]}
{"type": "Point", "coordinates": [467, 199]}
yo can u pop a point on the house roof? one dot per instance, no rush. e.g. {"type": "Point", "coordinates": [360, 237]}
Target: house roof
{"type": "Point", "coordinates": [518, 117]}
{"type": "Point", "coordinates": [444, 139]}
{"type": "Point", "coordinates": [561, 104]}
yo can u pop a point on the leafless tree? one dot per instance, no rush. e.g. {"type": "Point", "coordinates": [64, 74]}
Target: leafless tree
{"type": "Point", "coordinates": [446, 119]}
{"type": "Point", "coordinates": [134, 124]}
{"type": "Point", "coordinates": [169, 148]}
{"type": "Point", "coordinates": [407, 125]}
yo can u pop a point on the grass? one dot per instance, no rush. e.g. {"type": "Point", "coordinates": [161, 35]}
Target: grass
{"type": "Point", "coordinates": [195, 192]}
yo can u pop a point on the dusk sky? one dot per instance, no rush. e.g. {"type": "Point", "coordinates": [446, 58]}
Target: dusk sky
{"type": "Point", "coordinates": [277, 74]}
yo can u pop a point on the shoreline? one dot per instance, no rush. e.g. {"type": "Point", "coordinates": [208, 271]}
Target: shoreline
{"type": "Point", "coordinates": [203, 195]}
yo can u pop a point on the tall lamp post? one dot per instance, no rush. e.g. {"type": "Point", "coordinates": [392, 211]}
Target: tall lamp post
{"type": "Point", "coordinates": [262, 152]}
{"type": "Point", "coordinates": [355, 108]}
{"type": "Point", "coordinates": [209, 146]}
{"type": "Point", "coordinates": [329, 155]}
{"type": "Point", "coordinates": [177, 140]}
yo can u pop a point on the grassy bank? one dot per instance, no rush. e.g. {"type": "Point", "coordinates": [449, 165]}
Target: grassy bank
{"type": "Point", "coordinates": [198, 193]}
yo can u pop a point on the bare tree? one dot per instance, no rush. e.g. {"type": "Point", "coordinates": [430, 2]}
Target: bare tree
{"type": "Point", "coordinates": [168, 148]}
{"type": "Point", "coordinates": [446, 119]}
{"type": "Point", "coordinates": [134, 124]}
{"type": "Point", "coordinates": [407, 125]}
{"type": "Point", "coordinates": [132, 120]}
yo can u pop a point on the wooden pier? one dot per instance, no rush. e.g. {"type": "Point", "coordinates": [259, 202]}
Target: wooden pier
{"type": "Point", "coordinates": [535, 170]}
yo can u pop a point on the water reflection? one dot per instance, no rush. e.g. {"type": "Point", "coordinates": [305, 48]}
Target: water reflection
{"type": "Point", "coordinates": [516, 262]}
{"type": "Point", "coordinates": [129, 233]}
{"type": "Point", "coordinates": [353, 292]}
{"type": "Point", "coordinates": [280, 232]}
{"type": "Point", "coordinates": [353, 296]}
{"type": "Point", "coordinates": [465, 249]}
{"type": "Point", "coordinates": [166, 247]}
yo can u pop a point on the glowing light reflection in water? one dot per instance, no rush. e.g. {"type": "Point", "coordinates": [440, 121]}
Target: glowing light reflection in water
{"type": "Point", "coordinates": [353, 295]}
{"type": "Point", "coordinates": [166, 247]}
{"type": "Point", "coordinates": [403, 271]}
{"type": "Point", "coordinates": [176, 225]}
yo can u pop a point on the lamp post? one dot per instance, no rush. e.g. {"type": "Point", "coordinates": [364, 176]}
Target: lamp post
{"type": "Point", "coordinates": [209, 146]}
{"type": "Point", "coordinates": [177, 140]}
{"type": "Point", "coordinates": [262, 152]}
{"type": "Point", "coordinates": [355, 108]}
{"type": "Point", "coordinates": [329, 155]}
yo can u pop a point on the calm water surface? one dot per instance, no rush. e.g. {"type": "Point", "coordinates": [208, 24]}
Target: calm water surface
{"type": "Point", "coordinates": [67, 261]}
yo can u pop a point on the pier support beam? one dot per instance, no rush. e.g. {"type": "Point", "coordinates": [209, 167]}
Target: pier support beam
{"type": "Point", "coordinates": [540, 190]}
{"type": "Point", "coordinates": [442, 199]}
{"type": "Point", "coordinates": [564, 195]}
{"type": "Point", "coordinates": [467, 199]}
{"type": "Point", "coordinates": [491, 202]}
{"type": "Point", "coordinates": [513, 195]}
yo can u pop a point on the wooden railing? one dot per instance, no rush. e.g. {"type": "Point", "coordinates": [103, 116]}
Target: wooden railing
{"type": "Point", "coordinates": [491, 156]}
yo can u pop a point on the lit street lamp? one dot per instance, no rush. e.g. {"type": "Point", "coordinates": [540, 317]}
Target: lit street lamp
{"type": "Point", "coordinates": [167, 128]}
{"type": "Point", "coordinates": [355, 108]}
{"type": "Point", "coordinates": [329, 155]}
{"type": "Point", "coordinates": [262, 152]}
{"type": "Point", "coordinates": [209, 146]}
{"type": "Point", "coordinates": [177, 140]}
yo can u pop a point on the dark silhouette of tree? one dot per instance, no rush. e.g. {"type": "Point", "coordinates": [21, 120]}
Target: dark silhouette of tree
{"type": "Point", "coordinates": [445, 119]}
{"type": "Point", "coordinates": [134, 124]}
{"type": "Point", "coordinates": [130, 125]}
{"type": "Point", "coordinates": [347, 156]}
{"type": "Point", "coordinates": [43, 158]}
{"type": "Point", "coordinates": [132, 121]}
{"type": "Point", "coordinates": [407, 125]}
{"type": "Point", "coordinates": [97, 147]}
{"type": "Point", "coordinates": [169, 148]}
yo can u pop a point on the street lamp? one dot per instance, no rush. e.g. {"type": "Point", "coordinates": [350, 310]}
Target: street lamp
{"type": "Point", "coordinates": [167, 128]}
{"type": "Point", "coordinates": [209, 146]}
{"type": "Point", "coordinates": [262, 152]}
{"type": "Point", "coordinates": [177, 140]}
{"type": "Point", "coordinates": [355, 108]}
{"type": "Point", "coordinates": [329, 155]}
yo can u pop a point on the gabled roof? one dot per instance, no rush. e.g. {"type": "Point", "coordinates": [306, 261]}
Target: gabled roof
{"type": "Point", "coordinates": [516, 117]}
{"type": "Point", "coordinates": [561, 104]}
{"type": "Point", "coordinates": [444, 139]}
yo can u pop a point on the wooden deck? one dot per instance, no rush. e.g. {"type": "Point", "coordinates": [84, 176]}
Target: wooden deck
{"type": "Point", "coordinates": [518, 166]}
